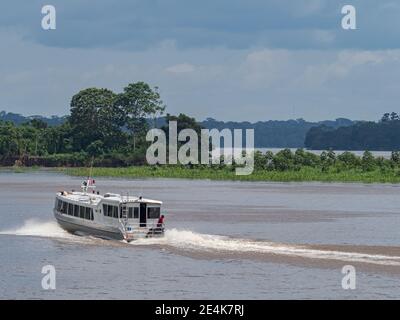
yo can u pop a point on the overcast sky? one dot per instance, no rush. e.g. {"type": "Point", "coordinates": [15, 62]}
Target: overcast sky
{"type": "Point", "coordinates": [227, 59]}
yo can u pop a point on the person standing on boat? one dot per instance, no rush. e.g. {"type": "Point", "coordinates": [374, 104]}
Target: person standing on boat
{"type": "Point", "coordinates": [160, 221]}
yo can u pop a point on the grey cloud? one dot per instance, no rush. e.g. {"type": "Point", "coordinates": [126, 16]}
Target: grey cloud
{"type": "Point", "coordinates": [137, 25]}
{"type": "Point", "coordinates": [251, 84]}
{"type": "Point", "coordinates": [239, 60]}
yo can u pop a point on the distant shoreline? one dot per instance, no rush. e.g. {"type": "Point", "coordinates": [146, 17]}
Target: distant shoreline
{"type": "Point", "coordinates": [224, 174]}
{"type": "Point", "coordinates": [304, 174]}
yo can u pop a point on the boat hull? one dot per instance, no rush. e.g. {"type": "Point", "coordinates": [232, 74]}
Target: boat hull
{"type": "Point", "coordinates": [78, 228]}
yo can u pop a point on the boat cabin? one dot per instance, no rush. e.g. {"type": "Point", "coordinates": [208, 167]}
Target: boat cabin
{"type": "Point", "coordinates": [112, 213]}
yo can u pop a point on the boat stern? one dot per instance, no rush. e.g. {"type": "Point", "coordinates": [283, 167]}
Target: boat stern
{"type": "Point", "coordinates": [132, 233]}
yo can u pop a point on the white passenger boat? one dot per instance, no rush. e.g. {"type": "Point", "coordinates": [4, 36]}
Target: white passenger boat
{"type": "Point", "coordinates": [109, 216]}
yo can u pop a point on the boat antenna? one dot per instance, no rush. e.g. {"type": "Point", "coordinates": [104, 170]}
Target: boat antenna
{"type": "Point", "coordinates": [141, 192]}
{"type": "Point", "coordinates": [91, 167]}
{"type": "Point", "coordinates": [89, 183]}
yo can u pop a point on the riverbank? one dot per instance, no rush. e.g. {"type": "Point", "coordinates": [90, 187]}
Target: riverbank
{"type": "Point", "coordinates": [284, 166]}
{"type": "Point", "coordinates": [303, 174]}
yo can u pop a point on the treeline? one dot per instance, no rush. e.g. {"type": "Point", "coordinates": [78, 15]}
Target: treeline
{"type": "Point", "coordinates": [383, 135]}
{"type": "Point", "coordinates": [107, 127]}
{"type": "Point", "coordinates": [327, 161]}
{"type": "Point", "coordinates": [268, 134]}
{"type": "Point", "coordinates": [18, 119]}
{"type": "Point", "coordinates": [275, 133]}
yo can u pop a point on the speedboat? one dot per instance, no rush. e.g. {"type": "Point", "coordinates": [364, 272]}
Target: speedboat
{"type": "Point", "coordinates": [108, 216]}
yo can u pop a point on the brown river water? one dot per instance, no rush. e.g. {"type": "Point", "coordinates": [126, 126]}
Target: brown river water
{"type": "Point", "coordinates": [224, 240]}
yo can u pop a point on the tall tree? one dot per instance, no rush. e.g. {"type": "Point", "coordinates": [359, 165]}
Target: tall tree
{"type": "Point", "coordinates": [138, 102]}
{"type": "Point", "coordinates": [94, 116]}
{"type": "Point", "coordinates": [386, 117]}
{"type": "Point", "coordinates": [394, 116]}
{"type": "Point", "coordinates": [183, 122]}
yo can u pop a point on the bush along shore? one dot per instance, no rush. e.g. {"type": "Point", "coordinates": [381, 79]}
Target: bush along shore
{"type": "Point", "coordinates": [107, 131]}
{"type": "Point", "coordinates": [282, 166]}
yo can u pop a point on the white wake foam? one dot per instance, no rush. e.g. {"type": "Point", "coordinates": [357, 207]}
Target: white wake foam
{"type": "Point", "coordinates": [188, 240]}
{"type": "Point", "coordinates": [36, 228]}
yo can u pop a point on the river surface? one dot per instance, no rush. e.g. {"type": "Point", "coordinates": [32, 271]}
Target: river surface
{"type": "Point", "coordinates": [225, 240]}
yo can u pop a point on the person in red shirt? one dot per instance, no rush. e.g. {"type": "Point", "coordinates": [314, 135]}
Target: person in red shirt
{"type": "Point", "coordinates": [160, 221]}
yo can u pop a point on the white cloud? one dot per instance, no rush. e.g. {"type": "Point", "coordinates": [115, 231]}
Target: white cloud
{"type": "Point", "coordinates": [308, 7]}
{"type": "Point", "coordinates": [181, 68]}
{"type": "Point", "coordinates": [343, 65]}
{"type": "Point", "coordinates": [264, 68]}
{"type": "Point", "coordinates": [324, 36]}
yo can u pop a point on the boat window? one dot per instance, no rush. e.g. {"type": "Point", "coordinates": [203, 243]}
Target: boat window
{"type": "Point", "coordinates": [58, 205]}
{"type": "Point", "coordinates": [91, 214]}
{"type": "Point", "coordinates": [63, 207]}
{"type": "Point", "coordinates": [81, 212]}
{"type": "Point", "coordinates": [87, 213]}
{"type": "Point", "coordinates": [110, 211]}
{"type": "Point", "coordinates": [105, 209]}
{"type": "Point", "coordinates": [153, 213]}
{"type": "Point", "coordinates": [76, 210]}
{"type": "Point", "coordinates": [133, 213]}
{"type": "Point", "coordinates": [115, 212]}
{"type": "Point", "coordinates": [70, 209]}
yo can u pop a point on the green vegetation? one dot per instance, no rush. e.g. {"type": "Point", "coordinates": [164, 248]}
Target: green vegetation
{"type": "Point", "coordinates": [283, 166]}
{"type": "Point", "coordinates": [104, 128]}
{"type": "Point", "coordinates": [382, 135]}
{"type": "Point", "coordinates": [107, 130]}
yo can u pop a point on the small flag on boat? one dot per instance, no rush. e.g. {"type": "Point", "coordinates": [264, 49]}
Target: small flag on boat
{"type": "Point", "coordinates": [91, 182]}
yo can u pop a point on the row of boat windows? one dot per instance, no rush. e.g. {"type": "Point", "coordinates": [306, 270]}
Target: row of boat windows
{"type": "Point", "coordinates": [110, 211]}
{"type": "Point", "coordinates": [74, 210]}
{"type": "Point", "coordinates": [133, 212]}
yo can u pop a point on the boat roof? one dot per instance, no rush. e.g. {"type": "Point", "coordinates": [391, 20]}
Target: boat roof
{"type": "Point", "coordinates": [90, 198]}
